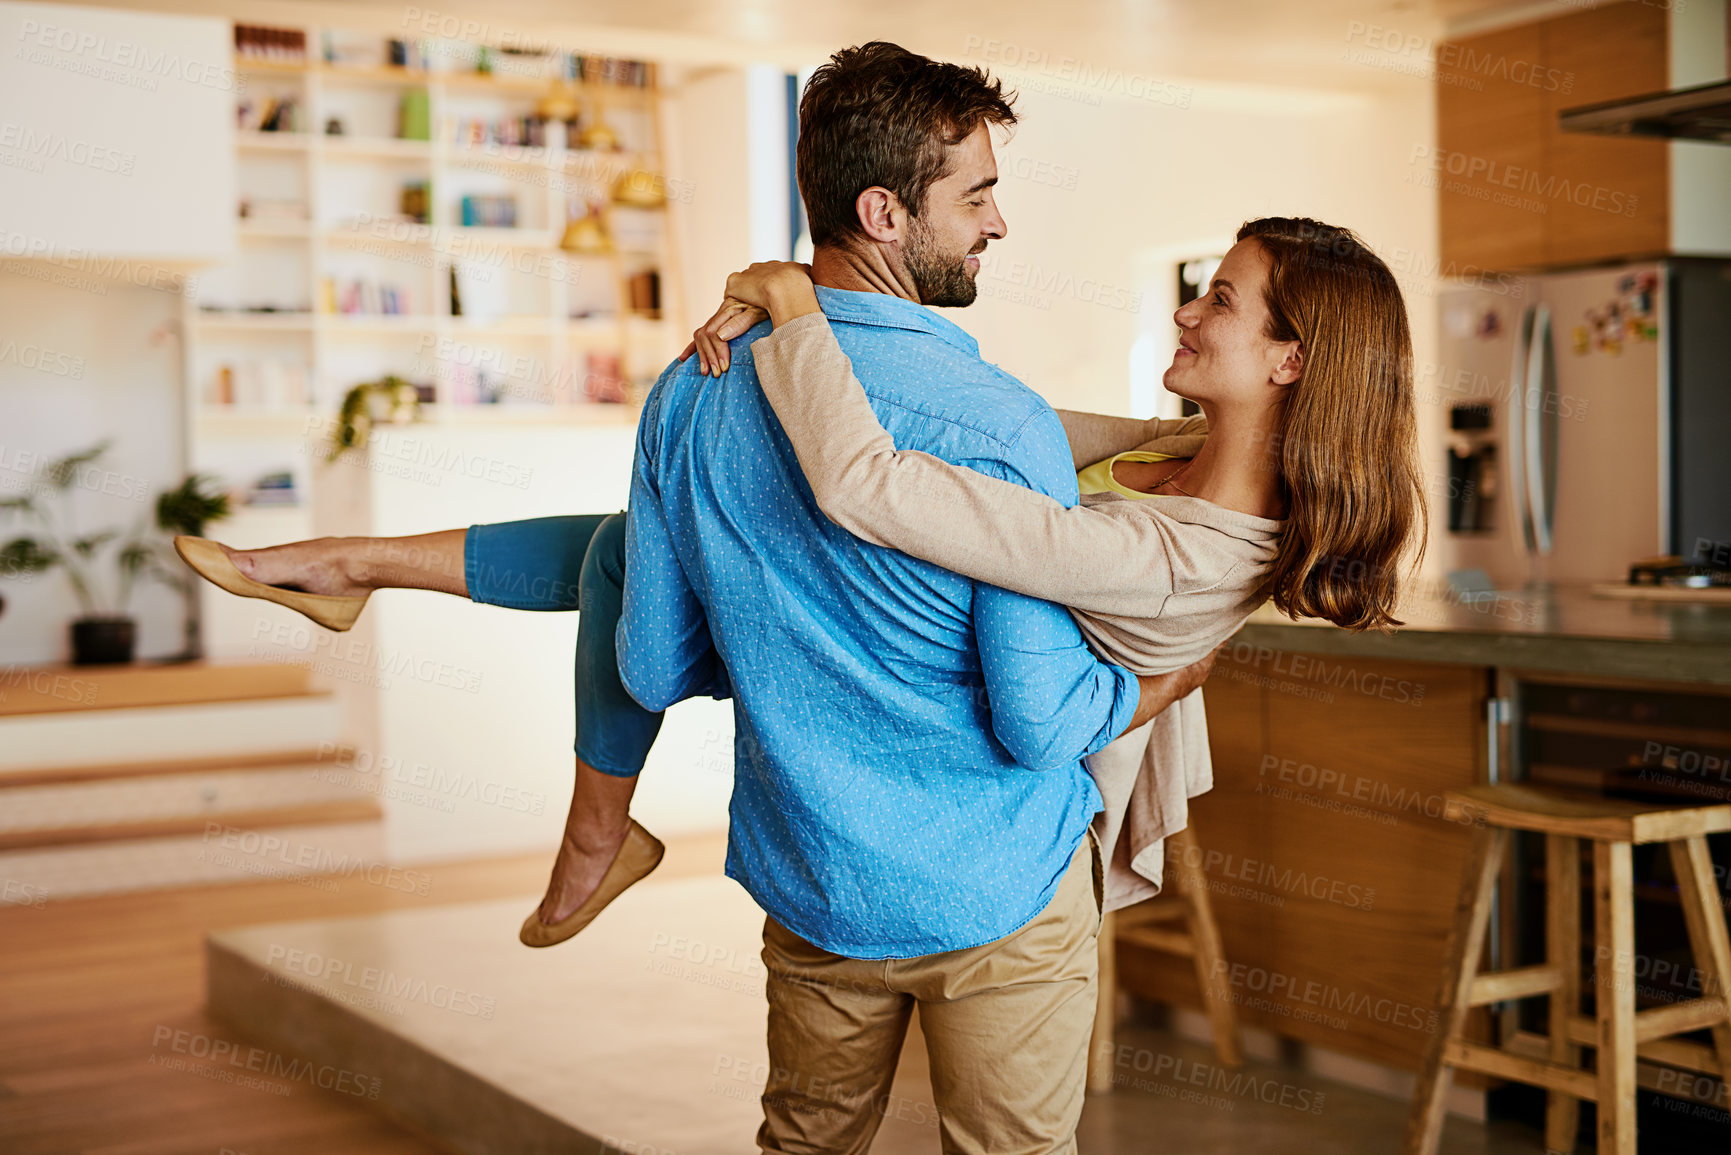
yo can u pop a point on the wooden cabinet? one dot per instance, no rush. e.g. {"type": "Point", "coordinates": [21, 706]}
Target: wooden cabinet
{"type": "Point", "coordinates": [1513, 191]}
{"type": "Point", "coordinates": [1332, 870]}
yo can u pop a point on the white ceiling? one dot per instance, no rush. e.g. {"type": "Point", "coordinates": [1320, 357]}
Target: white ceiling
{"type": "Point", "coordinates": [1264, 43]}
{"type": "Point", "coordinates": [1261, 42]}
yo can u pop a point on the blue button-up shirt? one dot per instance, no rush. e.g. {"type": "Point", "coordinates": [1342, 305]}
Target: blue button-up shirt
{"type": "Point", "coordinates": [908, 743]}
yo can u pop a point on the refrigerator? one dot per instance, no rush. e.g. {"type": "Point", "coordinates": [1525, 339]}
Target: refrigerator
{"type": "Point", "coordinates": [1588, 418]}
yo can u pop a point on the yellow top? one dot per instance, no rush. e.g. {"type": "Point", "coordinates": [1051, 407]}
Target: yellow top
{"type": "Point", "coordinates": [1097, 478]}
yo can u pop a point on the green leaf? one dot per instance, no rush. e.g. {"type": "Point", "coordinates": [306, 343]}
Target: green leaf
{"type": "Point", "coordinates": [192, 505]}
{"type": "Point", "coordinates": [86, 547]}
{"type": "Point", "coordinates": [62, 473]}
{"type": "Point", "coordinates": [26, 555]}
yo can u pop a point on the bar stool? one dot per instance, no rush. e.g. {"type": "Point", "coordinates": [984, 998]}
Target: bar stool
{"type": "Point", "coordinates": [1184, 899]}
{"type": "Point", "coordinates": [1619, 1033]}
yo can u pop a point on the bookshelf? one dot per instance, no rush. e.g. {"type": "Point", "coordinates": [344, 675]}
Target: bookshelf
{"type": "Point", "coordinates": [333, 284]}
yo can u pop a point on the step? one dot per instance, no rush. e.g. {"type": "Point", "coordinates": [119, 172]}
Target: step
{"type": "Point", "coordinates": [79, 740]}
{"type": "Point", "coordinates": [297, 794]}
{"type": "Point", "coordinates": [643, 1034]}
{"type": "Point", "coordinates": [327, 858]}
{"type": "Point", "coordinates": [62, 688]}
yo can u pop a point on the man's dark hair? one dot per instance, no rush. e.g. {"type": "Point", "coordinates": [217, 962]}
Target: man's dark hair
{"type": "Point", "coordinates": [878, 114]}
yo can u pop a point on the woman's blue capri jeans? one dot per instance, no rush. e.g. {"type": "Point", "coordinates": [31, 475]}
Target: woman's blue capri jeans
{"type": "Point", "coordinates": [571, 563]}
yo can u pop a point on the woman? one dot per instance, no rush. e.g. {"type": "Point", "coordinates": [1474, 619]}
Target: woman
{"type": "Point", "coordinates": [1305, 492]}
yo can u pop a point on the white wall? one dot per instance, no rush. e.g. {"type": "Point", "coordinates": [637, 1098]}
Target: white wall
{"type": "Point", "coordinates": [1103, 200]}
{"type": "Point", "coordinates": [116, 132]}
{"type": "Point", "coordinates": [78, 364]}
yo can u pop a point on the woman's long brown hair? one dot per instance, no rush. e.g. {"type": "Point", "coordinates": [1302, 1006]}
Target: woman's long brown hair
{"type": "Point", "coordinates": [1349, 449]}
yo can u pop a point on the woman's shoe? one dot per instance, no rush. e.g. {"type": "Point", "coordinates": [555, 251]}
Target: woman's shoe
{"type": "Point", "coordinates": [210, 563]}
{"type": "Point", "coordinates": [639, 854]}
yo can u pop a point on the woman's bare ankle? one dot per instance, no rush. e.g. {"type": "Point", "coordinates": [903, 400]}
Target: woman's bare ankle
{"type": "Point", "coordinates": [324, 565]}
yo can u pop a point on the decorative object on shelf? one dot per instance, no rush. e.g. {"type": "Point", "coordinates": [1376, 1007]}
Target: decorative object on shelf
{"type": "Point", "coordinates": [456, 293]}
{"type": "Point", "coordinates": [268, 209]}
{"type": "Point", "coordinates": [560, 102]}
{"type": "Point", "coordinates": [644, 288]}
{"type": "Point", "coordinates": [390, 400]}
{"type": "Point", "coordinates": [586, 233]}
{"type": "Point", "coordinates": [603, 381]}
{"type": "Point", "coordinates": [416, 200]}
{"type": "Point", "coordinates": [104, 633]}
{"type": "Point", "coordinates": [598, 136]}
{"type": "Point", "coordinates": [334, 127]}
{"type": "Point", "coordinates": [639, 188]}
{"type": "Point", "coordinates": [415, 116]}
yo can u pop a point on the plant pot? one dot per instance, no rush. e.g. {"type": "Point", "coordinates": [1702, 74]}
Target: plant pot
{"type": "Point", "coordinates": [103, 641]}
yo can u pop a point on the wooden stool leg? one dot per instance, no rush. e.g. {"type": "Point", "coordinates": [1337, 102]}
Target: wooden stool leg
{"type": "Point", "coordinates": [1100, 1046]}
{"type": "Point", "coordinates": [1706, 921]}
{"type": "Point", "coordinates": [1460, 965]}
{"type": "Point", "coordinates": [1614, 994]}
{"type": "Point", "coordinates": [1563, 951]}
{"type": "Point", "coordinates": [1210, 959]}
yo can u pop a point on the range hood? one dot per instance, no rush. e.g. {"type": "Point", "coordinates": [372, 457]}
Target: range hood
{"type": "Point", "coordinates": [1702, 113]}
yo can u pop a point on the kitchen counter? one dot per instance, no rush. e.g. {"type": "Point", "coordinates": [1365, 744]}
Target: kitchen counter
{"type": "Point", "coordinates": [1564, 629]}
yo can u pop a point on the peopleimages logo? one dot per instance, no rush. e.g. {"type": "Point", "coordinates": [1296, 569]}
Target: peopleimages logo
{"type": "Point", "coordinates": [1487, 179]}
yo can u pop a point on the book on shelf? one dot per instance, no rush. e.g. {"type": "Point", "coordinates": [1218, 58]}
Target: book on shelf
{"type": "Point", "coordinates": [264, 384]}
{"type": "Point", "coordinates": [361, 298]}
{"type": "Point", "coordinates": [496, 212]}
{"type": "Point", "coordinates": [272, 114]}
{"type": "Point", "coordinates": [271, 45]}
{"type": "Point", "coordinates": [272, 489]}
{"type": "Point", "coordinates": [415, 116]}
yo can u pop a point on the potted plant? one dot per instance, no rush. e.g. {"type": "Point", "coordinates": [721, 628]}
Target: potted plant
{"type": "Point", "coordinates": [188, 508]}
{"type": "Point", "coordinates": [104, 633]}
{"type": "Point", "coordinates": [389, 399]}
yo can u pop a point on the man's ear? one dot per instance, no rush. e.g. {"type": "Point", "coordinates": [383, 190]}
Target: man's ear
{"type": "Point", "coordinates": [1291, 366]}
{"type": "Point", "coordinates": [881, 214]}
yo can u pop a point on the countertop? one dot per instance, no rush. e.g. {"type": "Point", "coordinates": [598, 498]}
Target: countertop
{"type": "Point", "coordinates": [1562, 628]}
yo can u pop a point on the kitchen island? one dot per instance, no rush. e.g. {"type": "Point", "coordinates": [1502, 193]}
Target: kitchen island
{"type": "Point", "coordinates": [1326, 845]}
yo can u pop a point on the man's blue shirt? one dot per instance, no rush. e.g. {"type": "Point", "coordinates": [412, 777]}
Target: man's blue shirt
{"type": "Point", "coordinates": [907, 771]}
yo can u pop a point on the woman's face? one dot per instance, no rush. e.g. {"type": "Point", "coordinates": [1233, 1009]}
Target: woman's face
{"type": "Point", "coordinates": [1224, 352]}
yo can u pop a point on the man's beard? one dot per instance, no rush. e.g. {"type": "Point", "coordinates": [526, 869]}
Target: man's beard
{"type": "Point", "coordinates": [941, 278]}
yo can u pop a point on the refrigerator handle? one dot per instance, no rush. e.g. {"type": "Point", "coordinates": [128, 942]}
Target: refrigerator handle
{"type": "Point", "coordinates": [1541, 481]}
{"type": "Point", "coordinates": [1519, 508]}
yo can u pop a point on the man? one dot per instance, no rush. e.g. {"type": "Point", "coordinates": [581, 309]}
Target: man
{"type": "Point", "coordinates": [909, 806]}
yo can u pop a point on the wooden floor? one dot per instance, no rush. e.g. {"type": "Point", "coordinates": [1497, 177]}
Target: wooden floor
{"type": "Point", "coordinates": [93, 992]}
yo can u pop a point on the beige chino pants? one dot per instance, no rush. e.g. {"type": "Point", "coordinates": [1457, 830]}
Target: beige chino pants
{"type": "Point", "coordinates": [1006, 1025]}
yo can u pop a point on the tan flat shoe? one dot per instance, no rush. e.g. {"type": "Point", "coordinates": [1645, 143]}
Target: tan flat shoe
{"type": "Point", "coordinates": [210, 563]}
{"type": "Point", "coordinates": [639, 854]}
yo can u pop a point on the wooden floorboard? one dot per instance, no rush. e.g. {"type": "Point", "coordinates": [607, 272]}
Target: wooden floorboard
{"type": "Point", "coordinates": [92, 991]}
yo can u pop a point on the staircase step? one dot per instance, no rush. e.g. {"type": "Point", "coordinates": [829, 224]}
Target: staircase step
{"type": "Point", "coordinates": [335, 810]}
{"type": "Point", "coordinates": [109, 772]}
{"type": "Point", "coordinates": [59, 689]}
{"type": "Point", "coordinates": [345, 854]}
{"type": "Point", "coordinates": [34, 744]}
{"type": "Point", "coordinates": [32, 813]}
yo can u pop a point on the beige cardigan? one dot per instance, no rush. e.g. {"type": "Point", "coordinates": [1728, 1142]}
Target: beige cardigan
{"type": "Point", "coordinates": [1154, 585]}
